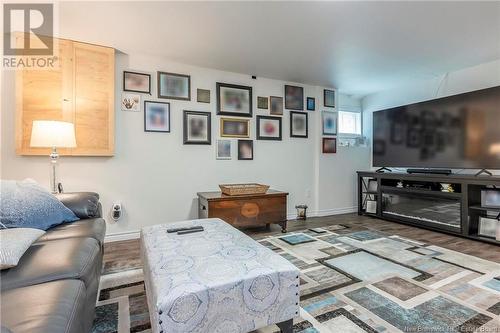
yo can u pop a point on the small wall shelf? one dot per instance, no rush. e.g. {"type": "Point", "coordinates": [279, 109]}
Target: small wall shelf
{"type": "Point", "coordinates": [417, 200]}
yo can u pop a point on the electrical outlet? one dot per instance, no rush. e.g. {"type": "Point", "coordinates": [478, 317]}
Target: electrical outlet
{"type": "Point", "coordinates": [116, 211]}
{"type": "Point", "coordinates": [308, 193]}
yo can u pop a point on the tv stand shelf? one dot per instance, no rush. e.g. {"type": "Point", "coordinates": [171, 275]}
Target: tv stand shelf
{"type": "Point", "coordinates": [417, 200]}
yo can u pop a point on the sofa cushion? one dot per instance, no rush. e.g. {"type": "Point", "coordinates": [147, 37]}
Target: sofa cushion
{"type": "Point", "coordinates": [93, 228]}
{"type": "Point", "coordinates": [14, 242]}
{"type": "Point", "coordinates": [69, 258]}
{"type": "Point", "coordinates": [54, 307]}
{"type": "Point", "coordinates": [25, 204]}
{"type": "Point", "coordinates": [85, 205]}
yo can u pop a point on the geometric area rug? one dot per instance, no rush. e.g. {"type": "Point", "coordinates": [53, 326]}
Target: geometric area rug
{"type": "Point", "coordinates": [351, 281]}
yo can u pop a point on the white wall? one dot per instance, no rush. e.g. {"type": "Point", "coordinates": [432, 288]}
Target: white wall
{"type": "Point", "coordinates": [469, 79]}
{"type": "Point", "coordinates": [156, 177]}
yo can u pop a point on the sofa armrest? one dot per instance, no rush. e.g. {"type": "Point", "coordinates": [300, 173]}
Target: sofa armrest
{"type": "Point", "coordinates": [85, 205]}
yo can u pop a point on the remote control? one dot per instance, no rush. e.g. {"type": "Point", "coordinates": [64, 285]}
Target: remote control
{"type": "Point", "coordinates": [182, 229]}
{"type": "Point", "coordinates": [183, 232]}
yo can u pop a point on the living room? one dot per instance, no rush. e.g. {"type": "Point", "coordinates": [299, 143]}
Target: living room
{"type": "Point", "coordinates": [172, 151]}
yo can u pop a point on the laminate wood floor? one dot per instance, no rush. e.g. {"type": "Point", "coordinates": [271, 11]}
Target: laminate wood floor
{"type": "Point", "coordinates": [123, 255]}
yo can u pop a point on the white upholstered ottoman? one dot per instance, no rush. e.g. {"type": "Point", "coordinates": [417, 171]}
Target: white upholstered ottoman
{"type": "Point", "coordinates": [218, 280]}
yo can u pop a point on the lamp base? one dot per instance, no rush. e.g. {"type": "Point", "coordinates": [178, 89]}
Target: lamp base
{"type": "Point", "coordinates": [53, 175]}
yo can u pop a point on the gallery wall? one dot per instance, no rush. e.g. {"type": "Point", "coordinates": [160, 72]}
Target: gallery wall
{"type": "Point", "coordinates": [156, 177]}
{"type": "Point", "coordinates": [468, 79]}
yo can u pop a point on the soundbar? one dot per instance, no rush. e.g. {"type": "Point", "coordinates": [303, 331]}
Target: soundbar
{"type": "Point", "coordinates": [430, 171]}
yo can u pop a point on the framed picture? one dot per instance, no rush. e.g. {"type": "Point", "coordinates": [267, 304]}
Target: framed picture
{"type": "Point", "coordinates": [203, 95]}
{"type": "Point", "coordinates": [294, 97]}
{"type": "Point", "coordinates": [131, 102]}
{"type": "Point", "coordinates": [311, 104]}
{"type": "Point", "coordinates": [223, 150]}
{"type": "Point", "coordinates": [329, 98]}
{"type": "Point", "coordinates": [298, 124]}
{"type": "Point", "coordinates": [174, 86]}
{"type": "Point", "coordinates": [276, 105]}
{"type": "Point", "coordinates": [234, 128]}
{"type": "Point", "coordinates": [262, 102]}
{"type": "Point", "coordinates": [245, 149]}
{"type": "Point", "coordinates": [234, 100]}
{"type": "Point", "coordinates": [329, 123]}
{"type": "Point", "coordinates": [136, 82]}
{"type": "Point", "coordinates": [329, 145]}
{"type": "Point", "coordinates": [156, 116]}
{"type": "Point", "coordinates": [197, 128]}
{"type": "Point", "coordinates": [269, 128]}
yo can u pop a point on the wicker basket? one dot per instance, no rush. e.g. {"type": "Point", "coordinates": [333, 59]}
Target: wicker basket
{"type": "Point", "coordinates": [243, 189]}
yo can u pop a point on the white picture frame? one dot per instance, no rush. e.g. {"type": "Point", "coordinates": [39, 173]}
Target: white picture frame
{"type": "Point", "coordinates": [329, 122]}
{"type": "Point", "coordinates": [131, 102]}
{"type": "Point", "coordinates": [223, 149]}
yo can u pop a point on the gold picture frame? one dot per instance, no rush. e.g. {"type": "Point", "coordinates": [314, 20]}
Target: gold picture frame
{"type": "Point", "coordinates": [234, 128]}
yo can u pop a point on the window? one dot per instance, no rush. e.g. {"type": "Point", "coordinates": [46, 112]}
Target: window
{"type": "Point", "coordinates": [349, 123]}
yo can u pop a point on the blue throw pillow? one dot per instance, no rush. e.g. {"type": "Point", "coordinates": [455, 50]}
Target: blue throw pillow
{"type": "Point", "coordinates": [25, 204]}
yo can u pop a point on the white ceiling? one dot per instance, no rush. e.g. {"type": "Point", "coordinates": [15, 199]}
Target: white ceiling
{"type": "Point", "coordinates": [358, 47]}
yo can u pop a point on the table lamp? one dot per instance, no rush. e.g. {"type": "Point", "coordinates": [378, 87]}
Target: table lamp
{"type": "Point", "coordinates": [53, 134]}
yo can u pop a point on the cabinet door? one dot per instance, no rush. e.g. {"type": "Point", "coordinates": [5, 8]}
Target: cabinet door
{"type": "Point", "coordinates": [79, 89]}
{"type": "Point", "coordinates": [94, 86]}
{"type": "Point", "coordinates": [44, 94]}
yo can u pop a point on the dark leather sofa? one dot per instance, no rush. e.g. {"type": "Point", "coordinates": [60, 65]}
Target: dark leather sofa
{"type": "Point", "coordinates": [54, 287]}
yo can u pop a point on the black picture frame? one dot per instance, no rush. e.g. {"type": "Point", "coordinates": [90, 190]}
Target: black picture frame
{"type": "Point", "coordinates": [186, 140]}
{"type": "Point", "coordinates": [294, 105]}
{"type": "Point", "coordinates": [326, 93]}
{"type": "Point", "coordinates": [158, 88]}
{"type": "Point", "coordinates": [248, 114]}
{"type": "Point", "coordinates": [146, 114]}
{"type": "Point", "coordinates": [294, 114]}
{"type": "Point", "coordinates": [240, 143]}
{"type": "Point", "coordinates": [270, 138]}
{"type": "Point", "coordinates": [137, 91]}
{"type": "Point", "coordinates": [325, 150]}
{"type": "Point", "coordinates": [313, 101]}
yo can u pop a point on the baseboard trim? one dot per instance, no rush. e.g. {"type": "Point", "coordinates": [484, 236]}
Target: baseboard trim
{"type": "Point", "coordinates": [336, 211]}
{"type": "Point", "coordinates": [128, 235]}
{"type": "Point", "coordinates": [122, 236]}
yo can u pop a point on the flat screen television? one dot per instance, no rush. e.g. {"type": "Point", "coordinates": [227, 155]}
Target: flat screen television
{"type": "Point", "coordinates": [457, 132]}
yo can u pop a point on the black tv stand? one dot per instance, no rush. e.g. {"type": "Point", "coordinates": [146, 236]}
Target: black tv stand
{"type": "Point", "coordinates": [483, 171]}
{"type": "Point", "coordinates": [383, 169]}
{"type": "Point", "coordinates": [440, 202]}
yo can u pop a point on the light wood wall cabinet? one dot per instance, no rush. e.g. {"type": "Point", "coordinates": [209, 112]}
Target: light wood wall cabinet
{"type": "Point", "coordinates": [79, 89]}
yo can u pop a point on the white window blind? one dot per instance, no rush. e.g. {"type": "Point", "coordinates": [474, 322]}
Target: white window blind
{"type": "Point", "coordinates": [349, 121]}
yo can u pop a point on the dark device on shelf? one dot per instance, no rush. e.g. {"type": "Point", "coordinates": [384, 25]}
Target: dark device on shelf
{"type": "Point", "coordinates": [430, 171]}
{"type": "Point", "coordinates": [459, 131]}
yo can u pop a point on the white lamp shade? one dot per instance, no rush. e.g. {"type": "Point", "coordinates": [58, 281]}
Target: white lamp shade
{"type": "Point", "coordinates": [48, 133]}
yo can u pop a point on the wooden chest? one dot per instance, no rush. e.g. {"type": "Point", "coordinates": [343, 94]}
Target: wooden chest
{"type": "Point", "coordinates": [245, 210]}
